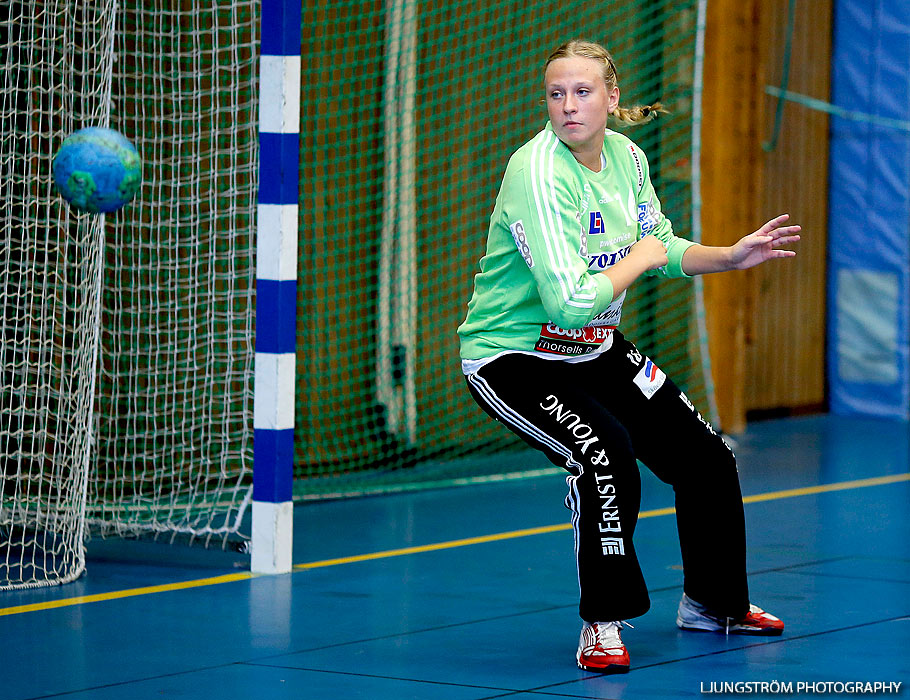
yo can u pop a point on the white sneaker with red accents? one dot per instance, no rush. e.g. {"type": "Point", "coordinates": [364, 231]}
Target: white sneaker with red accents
{"type": "Point", "coordinates": [600, 648]}
{"type": "Point", "coordinates": [695, 616]}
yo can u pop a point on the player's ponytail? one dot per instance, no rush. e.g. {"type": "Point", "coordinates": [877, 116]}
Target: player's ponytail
{"type": "Point", "coordinates": [639, 114]}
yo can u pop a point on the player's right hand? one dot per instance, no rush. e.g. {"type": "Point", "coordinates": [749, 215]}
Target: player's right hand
{"type": "Point", "coordinates": [651, 251]}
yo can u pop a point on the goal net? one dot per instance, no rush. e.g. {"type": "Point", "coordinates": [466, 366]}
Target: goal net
{"type": "Point", "coordinates": [155, 437]}
{"type": "Point", "coordinates": [175, 395]}
{"type": "Point", "coordinates": [55, 77]}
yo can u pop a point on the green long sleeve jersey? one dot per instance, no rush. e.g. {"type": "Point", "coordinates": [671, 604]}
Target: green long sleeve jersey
{"type": "Point", "coordinates": [555, 226]}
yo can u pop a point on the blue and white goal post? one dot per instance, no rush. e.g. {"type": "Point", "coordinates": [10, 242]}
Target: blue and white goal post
{"type": "Point", "coordinates": [276, 286]}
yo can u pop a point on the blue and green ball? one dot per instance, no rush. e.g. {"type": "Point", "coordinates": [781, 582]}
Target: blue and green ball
{"type": "Point", "coordinates": [97, 170]}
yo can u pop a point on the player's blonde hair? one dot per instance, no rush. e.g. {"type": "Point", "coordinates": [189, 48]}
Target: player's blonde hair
{"type": "Point", "coordinates": [639, 114]}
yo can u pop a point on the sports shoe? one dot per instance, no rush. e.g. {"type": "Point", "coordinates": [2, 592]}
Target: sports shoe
{"type": "Point", "coordinates": [694, 616]}
{"type": "Point", "coordinates": [600, 648]}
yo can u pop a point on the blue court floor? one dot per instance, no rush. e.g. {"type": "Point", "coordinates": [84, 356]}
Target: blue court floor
{"type": "Point", "coordinates": [471, 593]}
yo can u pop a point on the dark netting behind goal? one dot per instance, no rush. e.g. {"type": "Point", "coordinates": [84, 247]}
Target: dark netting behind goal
{"type": "Point", "coordinates": [410, 112]}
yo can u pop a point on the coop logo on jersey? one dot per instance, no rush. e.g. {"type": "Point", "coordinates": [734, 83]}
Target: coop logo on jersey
{"type": "Point", "coordinates": [572, 341]}
{"type": "Point", "coordinates": [641, 171]}
{"type": "Point", "coordinates": [521, 241]}
{"type": "Point", "coordinates": [650, 378]}
{"type": "Point", "coordinates": [596, 224]}
{"type": "Point", "coordinates": [648, 217]}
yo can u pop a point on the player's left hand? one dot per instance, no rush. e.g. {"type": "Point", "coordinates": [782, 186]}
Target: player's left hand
{"type": "Point", "coordinates": [765, 244]}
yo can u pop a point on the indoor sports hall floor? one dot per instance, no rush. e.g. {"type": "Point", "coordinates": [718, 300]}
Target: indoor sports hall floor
{"type": "Point", "coordinates": [470, 593]}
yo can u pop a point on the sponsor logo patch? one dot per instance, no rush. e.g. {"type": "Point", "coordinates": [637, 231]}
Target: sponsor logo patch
{"type": "Point", "coordinates": [612, 545]}
{"type": "Point", "coordinates": [648, 217]}
{"type": "Point", "coordinates": [650, 378]}
{"type": "Point", "coordinates": [596, 223]}
{"type": "Point", "coordinates": [611, 316]}
{"type": "Point", "coordinates": [641, 171]}
{"type": "Point", "coordinates": [571, 341]}
{"type": "Point", "coordinates": [521, 241]}
{"type": "Point", "coordinates": [602, 261]}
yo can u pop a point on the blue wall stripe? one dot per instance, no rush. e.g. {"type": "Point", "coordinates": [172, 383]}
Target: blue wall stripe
{"type": "Point", "coordinates": [280, 24]}
{"type": "Point", "coordinates": [276, 310]}
{"type": "Point", "coordinates": [278, 169]}
{"type": "Point", "coordinates": [273, 457]}
{"type": "Point", "coordinates": [868, 330]}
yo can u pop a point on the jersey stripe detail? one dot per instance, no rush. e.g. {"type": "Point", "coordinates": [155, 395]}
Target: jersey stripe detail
{"type": "Point", "coordinates": [543, 214]}
{"type": "Point", "coordinates": [519, 422]}
{"type": "Point", "coordinates": [548, 191]}
{"type": "Point", "coordinates": [548, 194]}
{"type": "Point", "coordinates": [576, 293]}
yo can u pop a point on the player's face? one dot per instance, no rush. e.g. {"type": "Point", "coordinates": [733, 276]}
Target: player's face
{"type": "Point", "coordinates": [578, 102]}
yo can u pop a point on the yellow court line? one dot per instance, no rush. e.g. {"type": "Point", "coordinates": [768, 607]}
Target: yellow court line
{"type": "Point", "coordinates": [826, 488]}
{"type": "Point", "coordinates": [113, 595]}
{"type": "Point", "coordinates": [433, 547]}
{"type": "Point", "coordinates": [387, 554]}
{"type": "Point", "coordinates": [770, 496]}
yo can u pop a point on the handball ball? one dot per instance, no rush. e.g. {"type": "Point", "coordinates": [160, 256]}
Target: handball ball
{"type": "Point", "coordinates": [97, 170]}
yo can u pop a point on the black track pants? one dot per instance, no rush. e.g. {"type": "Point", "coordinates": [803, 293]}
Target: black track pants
{"type": "Point", "coordinates": [595, 419]}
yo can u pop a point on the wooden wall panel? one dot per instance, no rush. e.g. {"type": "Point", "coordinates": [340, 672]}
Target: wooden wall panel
{"type": "Point", "coordinates": [785, 343]}
{"type": "Point", "coordinates": [766, 325]}
{"type": "Point", "coordinates": [730, 158]}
